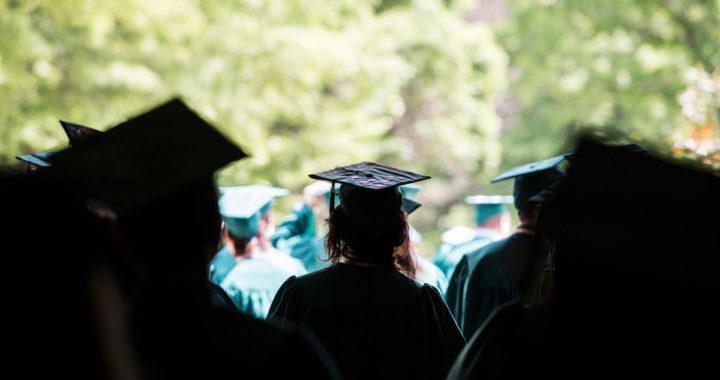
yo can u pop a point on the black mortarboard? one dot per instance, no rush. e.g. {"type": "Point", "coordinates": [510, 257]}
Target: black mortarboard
{"type": "Point", "coordinates": [409, 205]}
{"type": "Point", "coordinates": [146, 157]}
{"type": "Point", "coordinates": [38, 159]}
{"type": "Point", "coordinates": [532, 178]}
{"type": "Point", "coordinates": [74, 132]}
{"type": "Point", "coordinates": [77, 133]}
{"type": "Point", "coordinates": [368, 175]}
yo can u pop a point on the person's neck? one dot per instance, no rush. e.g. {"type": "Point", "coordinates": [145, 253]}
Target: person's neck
{"type": "Point", "coordinates": [361, 263]}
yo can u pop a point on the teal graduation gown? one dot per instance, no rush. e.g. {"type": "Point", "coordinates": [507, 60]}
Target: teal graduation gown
{"type": "Point", "coordinates": [429, 273]}
{"type": "Point", "coordinates": [296, 236]}
{"type": "Point", "coordinates": [253, 282]}
{"type": "Point", "coordinates": [451, 251]}
{"type": "Point", "coordinates": [221, 265]}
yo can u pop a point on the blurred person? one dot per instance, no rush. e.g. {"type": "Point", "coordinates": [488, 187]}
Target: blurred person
{"type": "Point", "coordinates": [259, 269]}
{"type": "Point", "coordinates": [375, 321]}
{"type": "Point", "coordinates": [155, 171]}
{"type": "Point", "coordinates": [492, 223]}
{"type": "Point", "coordinates": [300, 233]}
{"type": "Point", "coordinates": [417, 266]}
{"type": "Point", "coordinates": [630, 296]}
{"type": "Point", "coordinates": [62, 303]}
{"type": "Point", "coordinates": [511, 268]}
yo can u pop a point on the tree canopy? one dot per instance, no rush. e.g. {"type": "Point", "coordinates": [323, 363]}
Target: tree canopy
{"type": "Point", "coordinates": [426, 85]}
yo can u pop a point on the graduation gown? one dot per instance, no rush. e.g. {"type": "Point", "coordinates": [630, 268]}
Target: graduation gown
{"type": "Point", "coordinates": [310, 250]}
{"type": "Point", "coordinates": [503, 271]}
{"type": "Point", "coordinates": [300, 221]}
{"type": "Point", "coordinates": [221, 265]}
{"type": "Point", "coordinates": [514, 343]}
{"type": "Point", "coordinates": [429, 273]}
{"type": "Point", "coordinates": [177, 332]}
{"type": "Point", "coordinates": [253, 281]}
{"type": "Point", "coordinates": [452, 250]}
{"type": "Point", "coordinates": [374, 321]}
{"type": "Point", "coordinates": [296, 236]}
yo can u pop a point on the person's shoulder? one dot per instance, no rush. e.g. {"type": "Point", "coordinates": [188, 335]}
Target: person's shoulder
{"type": "Point", "coordinates": [252, 330]}
{"type": "Point", "coordinates": [492, 247]}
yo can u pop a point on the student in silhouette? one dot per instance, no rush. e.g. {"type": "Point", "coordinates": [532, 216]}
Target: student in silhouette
{"type": "Point", "coordinates": [510, 268]}
{"type": "Point", "coordinates": [630, 294]}
{"type": "Point", "coordinates": [375, 321]}
{"type": "Point", "coordinates": [155, 171]}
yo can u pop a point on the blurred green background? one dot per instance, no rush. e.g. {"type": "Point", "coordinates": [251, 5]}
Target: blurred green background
{"type": "Point", "coordinates": [459, 90]}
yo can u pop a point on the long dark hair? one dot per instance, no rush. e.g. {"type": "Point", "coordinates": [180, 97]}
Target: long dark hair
{"type": "Point", "coordinates": [387, 246]}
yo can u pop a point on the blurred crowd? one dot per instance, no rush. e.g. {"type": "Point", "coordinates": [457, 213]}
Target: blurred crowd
{"type": "Point", "coordinates": [124, 260]}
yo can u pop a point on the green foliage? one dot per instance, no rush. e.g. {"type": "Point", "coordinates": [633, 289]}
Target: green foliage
{"type": "Point", "coordinates": [586, 62]}
{"type": "Point", "coordinates": [305, 85]}
{"type": "Point", "coordinates": [302, 85]}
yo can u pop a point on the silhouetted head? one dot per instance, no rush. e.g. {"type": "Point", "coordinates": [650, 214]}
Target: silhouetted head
{"type": "Point", "coordinates": [178, 232]}
{"type": "Point", "coordinates": [155, 171]}
{"type": "Point", "coordinates": [370, 225]}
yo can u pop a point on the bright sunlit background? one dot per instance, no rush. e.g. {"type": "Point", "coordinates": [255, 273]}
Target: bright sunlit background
{"type": "Point", "coordinates": [459, 90]}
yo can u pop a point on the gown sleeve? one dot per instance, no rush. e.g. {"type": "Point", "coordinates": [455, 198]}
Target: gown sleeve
{"type": "Point", "coordinates": [445, 341]}
{"type": "Point", "coordinates": [456, 290]}
{"type": "Point", "coordinates": [288, 304]}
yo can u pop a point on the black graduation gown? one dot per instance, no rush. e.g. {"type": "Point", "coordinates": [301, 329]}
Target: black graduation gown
{"type": "Point", "coordinates": [179, 330]}
{"type": "Point", "coordinates": [506, 270]}
{"type": "Point", "coordinates": [514, 343]}
{"type": "Point", "coordinates": [374, 321]}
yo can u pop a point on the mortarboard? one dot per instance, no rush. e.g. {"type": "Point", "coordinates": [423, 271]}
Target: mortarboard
{"type": "Point", "coordinates": [532, 178]}
{"type": "Point", "coordinates": [74, 132]}
{"type": "Point", "coordinates": [410, 191]}
{"type": "Point", "coordinates": [409, 205]}
{"type": "Point", "coordinates": [487, 206]}
{"type": "Point", "coordinates": [77, 133]}
{"type": "Point", "coordinates": [38, 159]}
{"type": "Point", "coordinates": [146, 157]}
{"type": "Point", "coordinates": [368, 175]}
{"type": "Point", "coordinates": [243, 206]}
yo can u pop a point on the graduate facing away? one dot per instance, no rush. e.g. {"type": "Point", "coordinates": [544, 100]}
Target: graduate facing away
{"type": "Point", "coordinates": [375, 321]}
{"type": "Point", "coordinates": [249, 268]}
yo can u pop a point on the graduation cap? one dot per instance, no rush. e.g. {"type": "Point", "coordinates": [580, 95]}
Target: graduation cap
{"type": "Point", "coordinates": [532, 178]}
{"type": "Point", "coordinates": [146, 157]}
{"type": "Point", "coordinates": [487, 206]}
{"type": "Point", "coordinates": [38, 159]}
{"type": "Point", "coordinates": [410, 191]}
{"type": "Point", "coordinates": [242, 207]}
{"type": "Point", "coordinates": [369, 176]}
{"type": "Point", "coordinates": [75, 133]}
{"type": "Point", "coordinates": [409, 205]}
